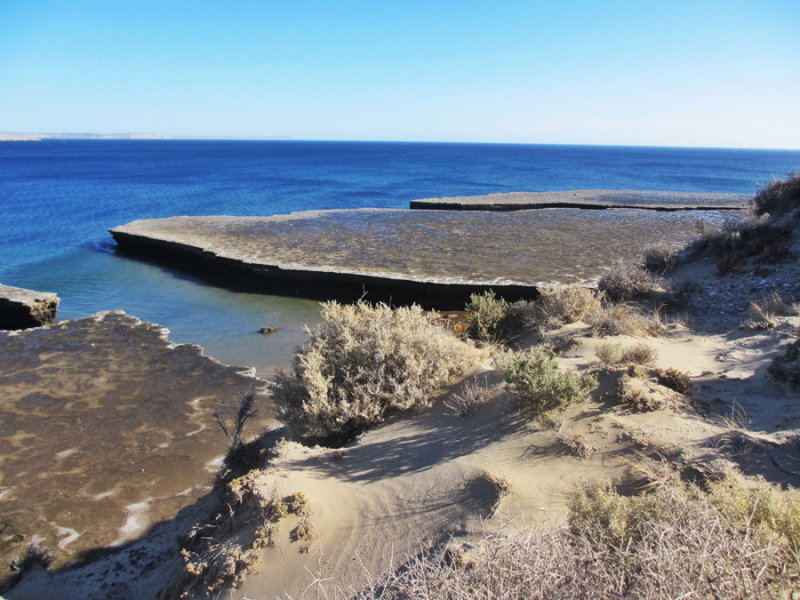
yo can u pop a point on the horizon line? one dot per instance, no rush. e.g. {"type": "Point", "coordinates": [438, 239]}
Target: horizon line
{"type": "Point", "coordinates": [9, 136]}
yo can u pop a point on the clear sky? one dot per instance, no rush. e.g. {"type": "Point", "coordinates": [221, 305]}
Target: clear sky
{"type": "Point", "coordinates": [696, 73]}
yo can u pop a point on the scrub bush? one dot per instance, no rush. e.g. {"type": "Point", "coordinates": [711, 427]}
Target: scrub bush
{"type": "Point", "coordinates": [538, 386]}
{"type": "Point", "coordinates": [362, 364]}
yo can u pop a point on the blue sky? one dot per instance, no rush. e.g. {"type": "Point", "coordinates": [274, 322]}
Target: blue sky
{"type": "Point", "coordinates": [699, 73]}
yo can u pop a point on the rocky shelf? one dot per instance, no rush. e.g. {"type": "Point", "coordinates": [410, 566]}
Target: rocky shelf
{"type": "Point", "coordinates": [108, 429]}
{"type": "Point", "coordinates": [589, 199]}
{"type": "Point", "coordinates": [22, 309]}
{"type": "Point", "coordinates": [436, 258]}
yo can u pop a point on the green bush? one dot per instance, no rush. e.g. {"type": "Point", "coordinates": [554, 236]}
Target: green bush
{"type": "Point", "coordinates": [363, 363]}
{"type": "Point", "coordinates": [486, 316]}
{"type": "Point", "coordinates": [538, 386]}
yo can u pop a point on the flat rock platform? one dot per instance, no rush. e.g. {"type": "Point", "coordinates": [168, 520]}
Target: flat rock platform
{"type": "Point", "coordinates": [589, 199]}
{"type": "Point", "coordinates": [107, 428]}
{"type": "Point", "coordinates": [435, 258]}
{"type": "Point", "coordinates": [21, 308]}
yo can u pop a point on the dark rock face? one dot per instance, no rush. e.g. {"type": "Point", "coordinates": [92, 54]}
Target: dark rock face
{"type": "Point", "coordinates": [23, 309]}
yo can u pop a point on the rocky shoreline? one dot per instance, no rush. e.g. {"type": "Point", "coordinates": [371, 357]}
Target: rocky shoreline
{"type": "Point", "coordinates": [435, 258]}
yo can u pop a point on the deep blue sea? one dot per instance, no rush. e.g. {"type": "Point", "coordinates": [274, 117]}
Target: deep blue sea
{"type": "Point", "coordinates": [59, 197]}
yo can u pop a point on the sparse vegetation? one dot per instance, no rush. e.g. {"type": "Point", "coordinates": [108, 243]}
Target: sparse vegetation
{"type": "Point", "coordinates": [566, 304]}
{"type": "Point", "coordinates": [675, 541]}
{"type": "Point", "coordinates": [363, 363]}
{"type": "Point", "coordinates": [537, 384]}
{"type": "Point", "coordinates": [626, 281]}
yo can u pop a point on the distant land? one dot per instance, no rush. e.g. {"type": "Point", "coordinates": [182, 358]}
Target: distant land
{"type": "Point", "coordinates": [37, 137]}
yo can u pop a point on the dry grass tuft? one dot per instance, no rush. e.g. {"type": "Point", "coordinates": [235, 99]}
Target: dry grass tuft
{"type": "Point", "coordinates": [625, 319]}
{"type": "Point", "coordinates": [640, 395]}
{"type": "Point", "coordinates": [575, 443]}
{"type": "Point", "coordinates": [472, 396]}
{"type": "Point", "coordinates": [762, 312]}
{"type": "Point", "coordinates": [640, 354]}
{"type": "Point", "coordinates": [363, 363]}
{"type": "Point", "coordinates": [609, 353]}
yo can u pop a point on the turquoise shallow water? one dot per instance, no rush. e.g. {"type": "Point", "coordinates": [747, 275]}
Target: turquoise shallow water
{"type": "Point", "coordinates": [58, 198]}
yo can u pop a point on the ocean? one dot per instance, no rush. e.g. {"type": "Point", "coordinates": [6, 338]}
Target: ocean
{"type": "Point", "coordinates": [59, 197]}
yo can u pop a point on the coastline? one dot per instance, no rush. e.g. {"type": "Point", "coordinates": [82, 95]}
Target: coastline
{"type": "Point", "coordinates": [433, 475]}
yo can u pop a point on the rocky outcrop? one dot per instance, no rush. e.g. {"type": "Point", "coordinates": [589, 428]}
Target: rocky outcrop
{"type": "Point", "coordinates": [588, 199]}
{"type": "Point", "coordinates": [22, 309]}
{"type": "Point", "coordinates": [435, 258]}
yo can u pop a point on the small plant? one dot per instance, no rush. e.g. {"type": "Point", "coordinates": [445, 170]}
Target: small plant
{"type": "Point", "coordinates": [674, 379]}
{"type": "Point", "coordinates": [626, 281]}
{"type": "Point", "coordinates": [575, 443]}
{"type": "Point", "coordinates": [302, 531]}
{"type": "Point", "coordinates": [609, 353]}
{"type": "Point", "coordinates": [472, 396]}
{"type": "Point", "coordinates": [538, 386]}
{"type": "Point", "coordinates": [296, 504]}
{"type": "Point", "coordinates": [640, 354]}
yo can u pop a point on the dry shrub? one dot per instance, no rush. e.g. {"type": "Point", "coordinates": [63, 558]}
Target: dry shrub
{"type": "Point", "coordinates": [625, 319]}
{"type": "Point", "coordinates": [637, 371]}
{"type": "Point", "coordinates": [780, 197]}
{"type": "Point", "coordinates": [575, 443]}
{"type": "Point", "coordinates": [786, 368]}
{"type": "Point", "coordinates": [609, 353]}
{"type": "Point", "coordinates": [659, 257]}
{"type": "Point", "coordinates": [674, 379]}
{"type": "Point", "coordinates": [675, 541]}
{"type": "Point", "coordinates": [640, 354]}
{"type": "Point", "coordinates": [472, 396]}
{"type": "Point", "coordinates": [640, 395]}
{"type": "Point", "coordinates": [363, 363]}
{"type": "Point", "coordinates": [626, 281]}
{"type": "Point", "coordinates": [566, 304]}
{"type": "Point", "coordinates": [220, 552]}
{"type": "Point", "coordinates": [538, 386]}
